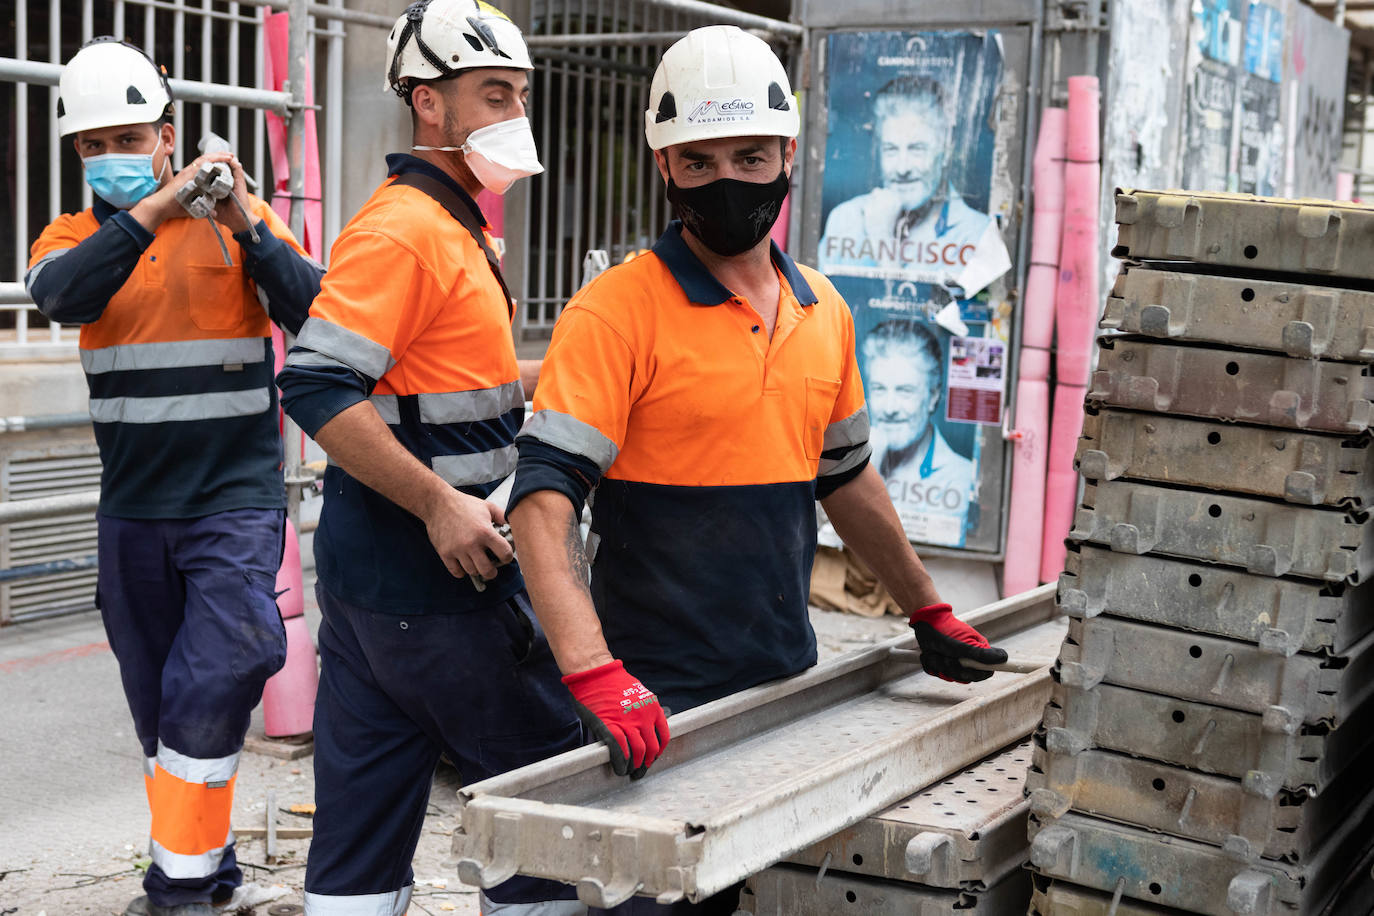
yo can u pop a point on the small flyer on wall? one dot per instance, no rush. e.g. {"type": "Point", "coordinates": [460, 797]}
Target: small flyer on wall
{"type": "Point", "coordinates": [975, 380]}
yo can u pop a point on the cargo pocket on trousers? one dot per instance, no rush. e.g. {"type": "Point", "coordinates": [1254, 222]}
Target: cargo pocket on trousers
{"type": "Point", "coordinates": [820, 404]}
{"type": "Point", "coordinates": [217, 293]}
{"type": "Point", "coordinates": [259, 649]}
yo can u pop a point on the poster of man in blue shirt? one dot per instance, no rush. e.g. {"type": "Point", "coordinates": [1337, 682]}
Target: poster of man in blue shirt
{"type": "Point", "coordinates": [911, 242]}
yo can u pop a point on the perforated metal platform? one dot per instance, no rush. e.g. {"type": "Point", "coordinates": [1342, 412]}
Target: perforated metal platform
{"type": "Point", "coordinates": [1280, 615]}
{"type": "Point", "coordinates": [967, 831]}
{"type": "Point", "coordinates": [1305, 468]}
{"type": "Point", "coordinates": [786, 890]}
{"type": "Point", "coordinates": [1202, 381]}
{"type": "Point", "coordinates": [1266, 538]}
{"type": "Point", "coordinates": [1295, 318]}
{"type": "Point", "coordinates": [1057, 898]}
{"type": "Point", "coordinates": [1317, 237]}
{"type": "Point", "coordinates": [755, 777]}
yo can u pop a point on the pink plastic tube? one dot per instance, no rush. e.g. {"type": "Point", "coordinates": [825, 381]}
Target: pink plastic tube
{"type": "Point", "coordinates": [288, 698]}
{"type": "Point", "coordinates": [1026, 515]}
{"type": "Point", "coordinates": [1061, 479]}
{"type": "Point", "coordinates": [1076, 301]}
{"type": "Point", "coordinates": [275, 63]}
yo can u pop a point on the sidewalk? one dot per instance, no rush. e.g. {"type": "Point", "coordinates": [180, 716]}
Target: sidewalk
{"type": "Point", "coordinates": [73, 817]}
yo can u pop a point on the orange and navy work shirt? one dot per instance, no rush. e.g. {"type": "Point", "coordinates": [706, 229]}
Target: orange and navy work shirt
{"type": "Point", "coordinates": [412, 318]}
{"type": "Point", "coordinates": [708, 444]}
{"type": "Point", "coordinates": [177, 350]}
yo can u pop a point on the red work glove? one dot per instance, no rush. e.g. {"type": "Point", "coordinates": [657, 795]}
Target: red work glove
{"type": "Point", "coordinates": [621, 712]}
{"type": "Point", "coordinates": [945, 640]}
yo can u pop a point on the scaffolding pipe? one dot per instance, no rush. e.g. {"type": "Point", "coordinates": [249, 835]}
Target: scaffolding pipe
{"type": "Point", "coordinates": [728, 16]}
{"type": "Point", "coordinates": [51, 568]}
{"type": "Point", "coordinates": [298, 37]}
{"type": "Point", "coordinates": [44, 421]}
{"type": "Point", "coordinates": [14, 293]}
{"type": "Point", "coordinates": [46, 74]}
{"type": "Point", "coordinates": [603, 39]}
{"type": "Point", "coordinates": [23, 510]}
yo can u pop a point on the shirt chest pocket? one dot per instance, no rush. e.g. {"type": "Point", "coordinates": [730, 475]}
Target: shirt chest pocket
{"type": "Point", "coordinates": [820, 404]}
{"type": "Point", "coordinates": [216, 296]}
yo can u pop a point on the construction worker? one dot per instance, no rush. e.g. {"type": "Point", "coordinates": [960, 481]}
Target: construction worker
{"type": "Point", "coordinates": [176, 345]}
{"type": "Point", "coordinates": [406, 375]}
{"type": "Point", "coordinates": [709, 392]}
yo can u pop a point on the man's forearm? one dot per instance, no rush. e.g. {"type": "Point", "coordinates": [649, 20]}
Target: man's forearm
{"type": "Point", "coordinates": [862, 514]}
{"type": "Point", "coordinates": [548, 541]}
{"type": "Point", "coordinates": [529, 376]}
{"type": "Point", "coordinates": [359, 442]}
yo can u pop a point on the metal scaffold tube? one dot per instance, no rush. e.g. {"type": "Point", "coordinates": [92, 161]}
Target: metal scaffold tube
{"type": "Point", "coordinates": [728, 16]}
{"type": "Point", "coordinates": [298, 54]}
{"type": "Point", "coordinates": [47, 74]}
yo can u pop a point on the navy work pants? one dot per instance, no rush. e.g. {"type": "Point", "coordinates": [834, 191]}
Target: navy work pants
{"type": "Point", "coordinates": [395, 692]}
{"type": "Point", "coordinates": [189, 606]}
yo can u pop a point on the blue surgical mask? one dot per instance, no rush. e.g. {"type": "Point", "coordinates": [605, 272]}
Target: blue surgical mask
{"type": "Point", "coordinates": [122, 179]}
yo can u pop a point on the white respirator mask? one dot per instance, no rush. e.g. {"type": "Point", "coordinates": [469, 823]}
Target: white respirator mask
{"type": "Point", "coordinates": [499, 154]}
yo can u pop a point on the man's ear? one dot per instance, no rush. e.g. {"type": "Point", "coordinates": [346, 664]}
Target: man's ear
{"type": "Point", "coordinates": [167, 136]}
{"type": "Point", "coordinates": [789, 156]}
{"type": "Point", "coordinates": [424, 100]}
{"type": "Point", "coordinates": [661, 160]}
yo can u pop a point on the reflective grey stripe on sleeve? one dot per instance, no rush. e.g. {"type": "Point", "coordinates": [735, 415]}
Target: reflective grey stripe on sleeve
{"type": "Point", "coordinates": [309, 358]}
{"type": "Point", "coordinates": [852, 430]}
{"type": "Point", "coordinates": [469, 406]}
{"type": "Point", "coordinates": [176, 354]}
{"type": "Point", "coordinates": [352, 350]}
{"type": "Point", "coordinates": [851, 459]}
{"type": "Point", "coordinates": [479, 468]}
{"type": "Point", "coordinates": [572, 435]}
{"type": "Point", "coordinates": [178, 866]}
{"type": "Point", "coordinates": [390, 903]}
{"type": "Point", "coordinates": [214, 405]}
{"type": "Point", "coordinates": [196, 769]}
{"type": "Point", "coordinates": [36, 269]}
{"type": "Point", "coordinates": [388, 408]}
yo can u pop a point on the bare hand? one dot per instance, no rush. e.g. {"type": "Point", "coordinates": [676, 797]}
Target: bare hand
{"type": "Point", "coordinates": [162, 205]}
{"type": "Point", "coordinates": [226, 211]}
{"type": "Point", "coordinates": [461, 529]}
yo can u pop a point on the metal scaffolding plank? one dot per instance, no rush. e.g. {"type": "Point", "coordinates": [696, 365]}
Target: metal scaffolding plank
{"type": "Point", "coordinates": [786, 890]}
{"type": "Point", "coordinates": [1211, 739]}
{"type": "Point", "coordinates": [1299, 467]}
{"type": "Point", "coordinates": [965, 832]}
{"type": "Point", "coordinates": [1320, 238]}
{"type": "Point", "coordinates": [1207, 669]}
{"type": "Point", "coordinates": [1249, 818]}
{"type": "Point", "coordinates": [1173, 872]}
{"type": "Point", "coordinates": [755, 777]}
{"type": "Point", "coordinates": [1239, 385]}
{"type": "Point", "coordinates": [1056, 898]}
{"type": "Point", "coordinates": [1295, 318]}
{"type": "Point", "coordinates": [1267, 538]}
{"type": "Point", "coordinates": [1280, 615]}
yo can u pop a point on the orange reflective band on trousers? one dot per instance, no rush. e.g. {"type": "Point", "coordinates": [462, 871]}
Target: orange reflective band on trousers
{"type": "Point", "coordinates": [189, 818]}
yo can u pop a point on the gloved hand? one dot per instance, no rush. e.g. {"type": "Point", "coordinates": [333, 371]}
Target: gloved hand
{"type": "Point", "coordinates": [945, 640]}
{"type": "Point", "coordinates": [621, 712]}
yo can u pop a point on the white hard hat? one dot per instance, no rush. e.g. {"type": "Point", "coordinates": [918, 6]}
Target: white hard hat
{"type": "Point", "coordinates": [435, 38]}
{"type": "Point", "coordinates": [719, 81]}
{"type": "Point", "coordinates": [108, 83]}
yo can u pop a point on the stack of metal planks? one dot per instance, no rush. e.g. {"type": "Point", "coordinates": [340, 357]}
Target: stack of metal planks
{"type": "Point", "coordinates": [1209, 742]}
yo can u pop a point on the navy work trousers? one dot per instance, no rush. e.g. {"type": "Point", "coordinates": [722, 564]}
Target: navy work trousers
{"type": "Point", "coordinates": [189, 606]}
{"type": "Point", "coordinates": [397, 690]}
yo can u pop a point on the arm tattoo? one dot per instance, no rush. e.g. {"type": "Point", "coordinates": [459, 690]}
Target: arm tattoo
{"type": "Point", "coordinates": [577, 554]}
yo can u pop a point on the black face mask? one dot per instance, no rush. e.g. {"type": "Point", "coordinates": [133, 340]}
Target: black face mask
{"type": "Point", "coordinates": [729, 216]}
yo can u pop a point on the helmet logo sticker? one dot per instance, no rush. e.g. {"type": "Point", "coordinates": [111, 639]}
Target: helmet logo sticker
{"type": "Point", "coordinates": [777, 99]}
{"type": "Point", "coordinates": [134, 97]}
{"type": "Point", "coordinates": [712, 111]}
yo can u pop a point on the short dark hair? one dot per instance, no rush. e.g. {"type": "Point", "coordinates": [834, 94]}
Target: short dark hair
{"type": "Point", "coordinates": [907, 334]}
{"type": "Point", "coordinates": [909, 90]}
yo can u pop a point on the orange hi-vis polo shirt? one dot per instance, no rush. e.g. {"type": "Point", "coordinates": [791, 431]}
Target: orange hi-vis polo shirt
{"type": "Point", "coordinates": [177, 350]}
{"type": "Point", "coordinates": [411, 317]}
{"type": "Point", "coordinates": [708, 443]}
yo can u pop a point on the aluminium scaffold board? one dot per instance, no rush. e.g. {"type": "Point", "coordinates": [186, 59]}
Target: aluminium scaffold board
{"type": "Point", "coordinates": [1173, 872]}
{"type": "Point", "coordinates": [1059, 898]}
{"type": "Point", "coordinates": [1241, 385]}
{"type": "Point", "coordinates": [1204, 737]}
{"type": "Point", "coordinates": [789, 890]}
{"type": "Point", "coordinates": [1222, 672]}
{"type": "Point", "coordinates": [965, 832]}
{"type": "Point", "coordinates": [1309, 469]}
{"type": "Point", "coordinates": [1264, 537]}
{"type": "Point", "coordinates": [1279, 615]}
{"type": "Point", "coordinates": [1249, 817]}
{"type": "Point", "coordinates": [1319, 238]}
{"type": "Point", "coordinates": [755, 777]}
{"type": "Point", "coordinates": [1299, 319]}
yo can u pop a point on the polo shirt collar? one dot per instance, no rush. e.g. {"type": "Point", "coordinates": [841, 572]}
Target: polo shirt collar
{"type": "Point", "coordinates": [698, 283]}
{"type": "Point", "coordinates": [401, 163]}
{"type": "Point", "coordinates": [102, 209]}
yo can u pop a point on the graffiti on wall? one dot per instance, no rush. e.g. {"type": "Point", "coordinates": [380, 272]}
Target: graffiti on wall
{"type": "Point", "coordinates": [1316, 104]}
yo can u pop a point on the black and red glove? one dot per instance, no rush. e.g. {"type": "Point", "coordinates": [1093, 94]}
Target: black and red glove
{"type": "Point", "coordinates": [946, 641]}
{"type": "Point", "coordinates": [622, 713]}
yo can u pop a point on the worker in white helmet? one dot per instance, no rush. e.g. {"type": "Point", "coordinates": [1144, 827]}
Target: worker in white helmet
{"type": "Point", "coordinates": [176, 345]}
{"type": "Point", "coordinates": [709, 392]}
{"type": "Point", "coordinates": [406, 374]}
